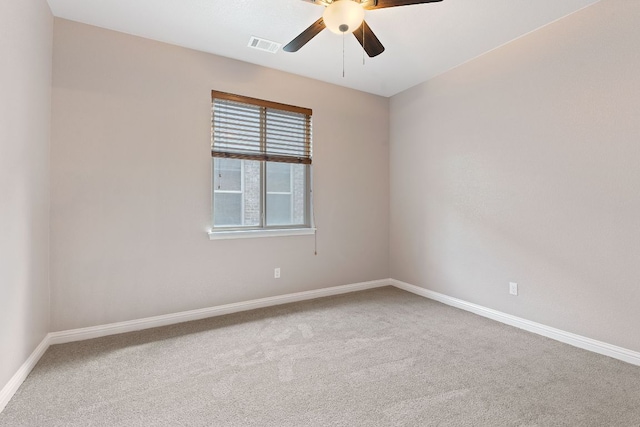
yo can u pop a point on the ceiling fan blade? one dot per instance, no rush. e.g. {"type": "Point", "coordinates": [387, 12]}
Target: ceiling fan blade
{"type": "Point", "coordinates": [319, 2]}
{"type": "Point", "coordinates": [379, 4]}
{"type": "Point", "coordinates": [368, 40]}
{"type": "Point", "coordinates": [304, 37]}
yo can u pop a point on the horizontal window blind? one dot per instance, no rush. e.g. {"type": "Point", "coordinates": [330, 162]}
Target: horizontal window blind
{"type": "Point", "coordinates": [253, 129]}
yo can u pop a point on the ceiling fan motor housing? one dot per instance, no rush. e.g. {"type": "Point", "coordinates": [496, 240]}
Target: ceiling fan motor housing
{"type": "Point", "coordinates": [343, 16]}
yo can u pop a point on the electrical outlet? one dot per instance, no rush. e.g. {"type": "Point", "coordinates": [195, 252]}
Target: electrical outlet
{"type": "Point", "coordinates": [276, 272]}
{"type": "Point", "coordinates": [513, 288]}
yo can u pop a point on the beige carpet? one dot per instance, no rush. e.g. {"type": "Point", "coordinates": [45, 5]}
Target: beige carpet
{"type": "Point", "coordinates": [375, 358]}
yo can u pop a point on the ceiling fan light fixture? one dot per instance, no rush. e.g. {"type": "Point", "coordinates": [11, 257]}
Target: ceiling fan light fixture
{"type": "Point", "coordinates": [343, 16]}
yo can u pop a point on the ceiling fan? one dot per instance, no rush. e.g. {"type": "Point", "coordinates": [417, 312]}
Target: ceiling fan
{"type": "Point", "coordinates": [347, 16]}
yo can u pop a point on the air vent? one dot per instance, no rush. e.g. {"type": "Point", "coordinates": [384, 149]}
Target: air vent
{"type": "Point", "coordinates": [263, 44]}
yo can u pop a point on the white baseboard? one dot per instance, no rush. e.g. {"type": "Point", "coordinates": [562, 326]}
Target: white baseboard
{"type": "Point", "coordinates": [579, 341]}
{"type": "Point", "coordinates": [61, 337]}
{"type": "Point", "coordinates": [14, 383]}
{"type": "Point", "coordinates": [18, 378]}
{"type": "Point", "coordinates": [186, 316]}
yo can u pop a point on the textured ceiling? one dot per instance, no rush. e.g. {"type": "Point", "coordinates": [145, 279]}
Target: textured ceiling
{"type": "Point", "coordinates": [421, 41]}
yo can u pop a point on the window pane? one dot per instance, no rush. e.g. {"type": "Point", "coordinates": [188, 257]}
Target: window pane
{"type": "Point", "coordinates": [227, 174]}
{"type": "Point", "coordinates": [279, 209]}
{"type": "Point", "coordinates": [278, 177]}
{"type": "Point", "coordinates": [287, 133]}
{"type": "Point", "coordinates": [237, 127]}
{"type": "Point", "coordinates": [236, 193]}
{"type": "Point", "coordinates": [286, 193]}
{"type": "Point", "coordinates": [299, 193]}
{"type": "Point", "coordinates": [227, 209]}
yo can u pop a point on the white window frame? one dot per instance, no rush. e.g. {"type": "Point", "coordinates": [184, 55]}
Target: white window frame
{"type": "Point", "coordinates": [264, 230]}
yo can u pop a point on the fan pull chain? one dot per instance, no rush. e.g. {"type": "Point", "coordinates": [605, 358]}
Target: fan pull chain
{"type": "Point", "coordinates": [343, 54]}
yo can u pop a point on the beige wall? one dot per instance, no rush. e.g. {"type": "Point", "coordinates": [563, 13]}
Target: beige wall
{"type": "Point", "coordinates": [25, 114]}
{"type": "Point", "coordinates": [131, 191]}
{"type": "Point", "coordinates": [524, 165]}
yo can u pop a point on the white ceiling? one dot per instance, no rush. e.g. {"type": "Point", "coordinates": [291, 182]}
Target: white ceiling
{"type": "Point", "coordinates": [421, 41]}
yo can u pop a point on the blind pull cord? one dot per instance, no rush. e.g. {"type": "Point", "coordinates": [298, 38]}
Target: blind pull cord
{"type": "Point", "coordinates": [313, 219]}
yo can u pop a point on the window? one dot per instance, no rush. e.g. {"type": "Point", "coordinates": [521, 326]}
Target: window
{"type": "Point", "coordinates": [261, 155]}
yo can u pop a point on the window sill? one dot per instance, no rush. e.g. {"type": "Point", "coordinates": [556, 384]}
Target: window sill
{"type": "Point", "coordinates": [248, 234]}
